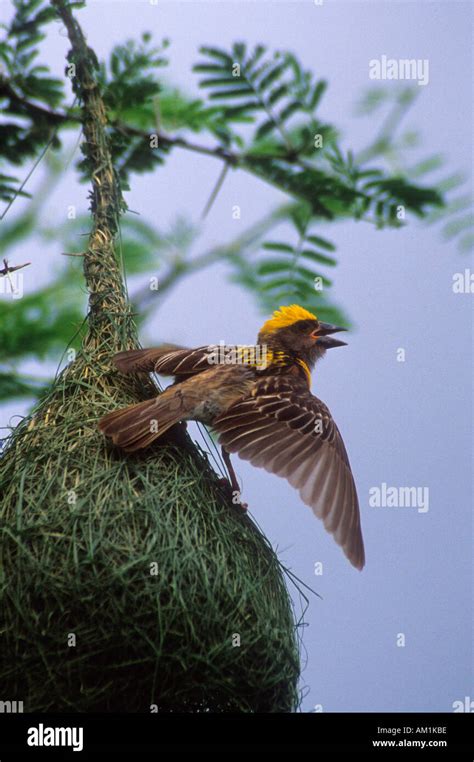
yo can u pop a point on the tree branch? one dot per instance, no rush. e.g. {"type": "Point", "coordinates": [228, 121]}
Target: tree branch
{"type": "Point", "coordinates": [24, 106]}
{"type": "Point", "coordinates": [232, 158]}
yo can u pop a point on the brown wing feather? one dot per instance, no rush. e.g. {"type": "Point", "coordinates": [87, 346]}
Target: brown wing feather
{"type": "Point", "coordinates": [278, 428]}
{"type": "Point", "coordinates": [168, 360]}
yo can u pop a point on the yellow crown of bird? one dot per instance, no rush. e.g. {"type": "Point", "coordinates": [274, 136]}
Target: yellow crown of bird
{"type": "Point", "coordinates": [284, 316]}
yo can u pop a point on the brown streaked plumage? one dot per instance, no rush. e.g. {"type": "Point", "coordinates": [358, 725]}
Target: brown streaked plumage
{"type": "Point", "coordinates": [262, 409]}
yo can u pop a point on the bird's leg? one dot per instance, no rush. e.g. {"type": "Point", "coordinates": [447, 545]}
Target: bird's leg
{"type": "Point", "coordinates": [233, 479]}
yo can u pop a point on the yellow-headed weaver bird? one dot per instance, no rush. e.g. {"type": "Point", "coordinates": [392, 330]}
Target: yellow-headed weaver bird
{"type": "Point", "coordinates": [258, 400]}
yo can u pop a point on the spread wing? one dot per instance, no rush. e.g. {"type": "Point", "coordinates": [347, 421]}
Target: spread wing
{"type": "Point", "coordinates": [285, 429]}
{"type": "Point", "coordinates": [168, 360]}
{"type": "Point", "coordinates": [171, 360]}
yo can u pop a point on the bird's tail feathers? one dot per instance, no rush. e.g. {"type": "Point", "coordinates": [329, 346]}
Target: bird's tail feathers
{"type": "Point", "coordinates": [137, 426]}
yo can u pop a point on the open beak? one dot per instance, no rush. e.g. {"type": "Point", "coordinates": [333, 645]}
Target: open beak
{"type": "Point", "coordinates": [324, 338]}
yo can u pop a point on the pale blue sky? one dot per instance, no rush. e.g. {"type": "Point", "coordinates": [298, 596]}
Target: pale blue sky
{"type": "Point", "coordinates": [405, 424]}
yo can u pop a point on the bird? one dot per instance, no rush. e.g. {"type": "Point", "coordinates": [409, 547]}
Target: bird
{"type": "Point", "coordinates": [258, 400]}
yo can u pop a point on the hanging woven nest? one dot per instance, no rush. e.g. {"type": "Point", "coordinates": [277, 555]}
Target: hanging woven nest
{"type": "Point", "coordinates": [128, 582]}
{"type": "Point", "coordinates": [125, 580]}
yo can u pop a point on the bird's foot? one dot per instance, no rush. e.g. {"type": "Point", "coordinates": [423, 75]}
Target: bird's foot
{"type": "Point", "coordinates": [233, 495]}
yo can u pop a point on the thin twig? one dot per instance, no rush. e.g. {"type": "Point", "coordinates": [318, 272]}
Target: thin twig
{"type": "Point", "coordinates": [215, 191]}
{"type": "Point", "coordinates": [387, 131]}
{"type": "Point", "coordinates": [37, 162]}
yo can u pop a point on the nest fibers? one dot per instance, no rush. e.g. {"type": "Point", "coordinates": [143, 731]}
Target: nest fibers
{"type": "Point", "coordinates": [128, 582]}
